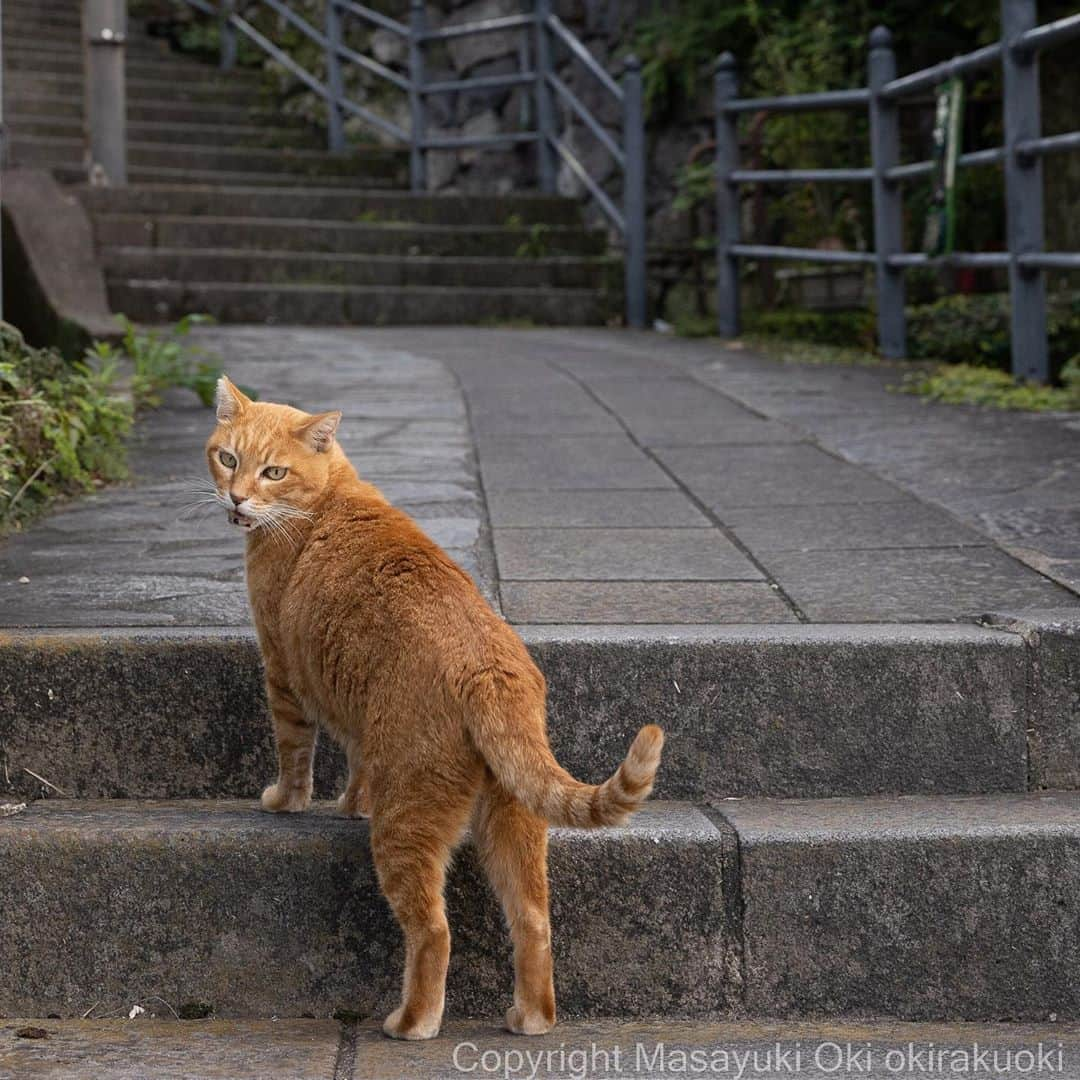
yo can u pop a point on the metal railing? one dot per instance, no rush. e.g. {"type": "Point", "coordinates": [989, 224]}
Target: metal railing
{"type": "Point", "coordinates": [1021, 156]}
{"type": "Point", "coordinates": [540, 28]}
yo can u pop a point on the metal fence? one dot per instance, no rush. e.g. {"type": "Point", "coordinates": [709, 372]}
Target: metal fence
{"type": "Point", "coordinates": [542, 34]}
{"type": "Point", "coordinates": [1018, 52]}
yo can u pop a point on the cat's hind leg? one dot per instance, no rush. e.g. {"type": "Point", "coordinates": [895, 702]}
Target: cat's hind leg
{"type": "Point", "coordinates": [413, 833]}
{"type": "Point", "coordinates": [295, 736]}
{"type": "Point", "coordinates": [512, 845]}
{"type": "Point", "coordinates": [355, 800]}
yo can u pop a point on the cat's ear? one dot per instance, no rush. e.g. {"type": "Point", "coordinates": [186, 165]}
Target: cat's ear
{"type": "Point", "coordinates": [318, 431]}
{"type": "Point", "coordinates": [229, 401]}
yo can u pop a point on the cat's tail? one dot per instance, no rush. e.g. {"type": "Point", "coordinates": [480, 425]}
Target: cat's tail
{"type": "Point", "coordinates": [517, 752]}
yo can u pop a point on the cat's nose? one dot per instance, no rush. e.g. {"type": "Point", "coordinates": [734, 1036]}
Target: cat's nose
{"type": "Point", "coordinates": [237, 499]}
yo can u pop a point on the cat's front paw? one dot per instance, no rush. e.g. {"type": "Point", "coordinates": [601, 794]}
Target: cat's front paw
{"type": "Point", "coordinates": [355, 804]}
{"type": "Point", "coordinates": [285, 800]}
{"type": "Point", "coordinates": [523, 1022]}
{"type": "Point", "coordinates": [398, 1026]}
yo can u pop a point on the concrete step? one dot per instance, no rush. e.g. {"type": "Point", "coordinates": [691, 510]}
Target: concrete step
{"type": "Point", "coordinates": [777, 711]}
{"type": "Point", "coordinates": [167, 1049]}
{"type": "Point", "coordinates": [138, 65]}
{"type": "Point", "coordinates": [45, 151]}
{"type": "Point", "coordinates": [270, 267]}
{"type": "Point", "coordinates": [72, 173]}
{"type": "Point", "coordinates": [267, 915]}
{"type": "Point", "coordinates": [352, 206]}
{"type": "Point", "coordinates": [924, 908]}
{"type": "Point", "coordinates": [388, 238]}
{"type": "Point", "coordinates": [336, 305]}
{"type": "Point", "coordinates": [959, 908]}
{"type": "Point", "coordinates": [255, 135]}
{"type": "Point", "coordinates": [19, 44]}
{"type": "Point", "coordinates": [213, 89]}
{"type": "Point", "coordinates": [70, 107]}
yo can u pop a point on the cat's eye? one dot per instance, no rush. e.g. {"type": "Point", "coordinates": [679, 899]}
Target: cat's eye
{"type": "Point", "coordinates": [227, 459]}
{"type": "Point", "coordinates": [275, 472]}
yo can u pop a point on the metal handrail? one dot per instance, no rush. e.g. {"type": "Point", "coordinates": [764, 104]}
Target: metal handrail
{"type": "Point", "coordinates": [1021, 157]}
{"type": "Point", "coordinates": [481, 26]}
{"type": "Point", "coordinates": [939, 73]}
{"type": "Point", "coordinates": [546, 30]}
{"type": "Point", "coordinates": [559, 29]}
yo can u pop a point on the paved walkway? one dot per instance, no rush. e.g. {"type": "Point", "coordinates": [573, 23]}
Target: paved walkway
{"type": "Point", "coordinates": [600, 1049]}
{"type": "Point", "coordinates": [589, 477]}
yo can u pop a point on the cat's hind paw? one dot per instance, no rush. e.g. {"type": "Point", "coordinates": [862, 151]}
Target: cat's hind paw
{"type": "Point", "coordinates": [279, 800]}
{"type": "Point", "coordinates": [354, 805]}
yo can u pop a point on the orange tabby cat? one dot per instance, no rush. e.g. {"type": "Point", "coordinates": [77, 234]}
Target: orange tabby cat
{"type": "Point", "coordinates": [368, 628]}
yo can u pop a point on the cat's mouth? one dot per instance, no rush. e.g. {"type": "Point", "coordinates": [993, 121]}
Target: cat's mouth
{"type": "Point", "coordinates": [243, 521]}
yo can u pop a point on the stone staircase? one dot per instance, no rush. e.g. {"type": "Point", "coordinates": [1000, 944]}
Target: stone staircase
{"type": "Point", "coordinates": [848, 823]}
{"type": "Point", "coordinates": [234, 210]}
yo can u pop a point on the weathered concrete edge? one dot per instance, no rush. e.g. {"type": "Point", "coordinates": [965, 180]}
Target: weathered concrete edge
{"type": "Point", "coordinates": [54, 285]}
{"type": "Point", "coordinates": [598, 634]}
{"type": "Point", "coordinates": [1052, 640]}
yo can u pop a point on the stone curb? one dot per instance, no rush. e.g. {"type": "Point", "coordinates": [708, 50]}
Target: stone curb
{"type": "Point", "coordinates": [785, 711]}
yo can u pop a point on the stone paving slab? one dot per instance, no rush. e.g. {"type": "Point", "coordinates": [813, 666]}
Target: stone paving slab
{"type": "Point", "coordinates": [562, 554]}
{"type": "Point", "coordinates": [642, 602]}
{"type": "Point", "coordinates": [845, 502]}
{"type": "Point", "coordinates": [612, 509]}
{"type": "Point", "coordinates": [579, 1050]}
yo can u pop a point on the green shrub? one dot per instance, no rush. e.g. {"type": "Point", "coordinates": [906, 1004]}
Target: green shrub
{"type": "Point", "coordinates": [851, 329]}
{"type": "Point", "coordinates": [62, 427]}
{"type": "Point", "coordinates": [975, 330]}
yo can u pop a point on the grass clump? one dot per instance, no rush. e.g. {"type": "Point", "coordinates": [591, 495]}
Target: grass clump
{"type": "Point", "coordinates": [62, 426]}
{"type": "Point", "coordinates": [162, 360]}
{"type": "Point", "coordinates": [971, 384]}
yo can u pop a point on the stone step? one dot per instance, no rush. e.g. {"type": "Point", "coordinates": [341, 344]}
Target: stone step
{"type": "Point", "coordinates": [256, 135]}
{"type": "Point", "coordinates": [70, 107]}
{"type": "Point", "coordinates": [167, 65]}
{"type": "Point", "coordinates": [351, 206]}
{"type": "Point", "coordinates": [213, 89]}
{"type": "Point", "coordinates": [922, 908]}
{"type": "Point", "coordinates": [280, 915]}
{"type": "Point", "coordinates": [43, 23]}
{"type": "Point", "coordinates": [164, 1048]}
{"type": "Point", "coordinates": [45, 152]}
{"type": "Point", "coordinates": [774, 711]}
{"type": "Point", "coordinates": [19, 44]}
{"type": "Point", "coordinates": [270, 267]}
{"type": "Point", "coordinates": [336, 305]}
{"type": "Point", "coordinates": [272, 234]}
{"type": "Point", "coordinates": [72, 173]}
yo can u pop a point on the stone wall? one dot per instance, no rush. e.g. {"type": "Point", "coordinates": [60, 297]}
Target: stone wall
{"type": "Point", "coordinates": [607, 29]}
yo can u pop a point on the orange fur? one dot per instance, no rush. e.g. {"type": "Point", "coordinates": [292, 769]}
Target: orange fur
{"type": "Point", "coordinates": [368, 629]}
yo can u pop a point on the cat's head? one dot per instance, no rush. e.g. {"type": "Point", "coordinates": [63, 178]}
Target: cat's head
{"type": "Point", "coordinates": [269, 463]}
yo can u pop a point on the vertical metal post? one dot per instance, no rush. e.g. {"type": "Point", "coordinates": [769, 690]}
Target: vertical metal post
{"type": "Point", "coordinates": [545, 112]}
{"type": "Point", "coordinates": [3, 152]}
{"type": "Point", "coordinates": [888, 199]}
{"type": "Point", "coordinates": [725, 89]}
{"type": "Point", "coordinates": [1024, 194]}
{"type": "Point", "coordinates": [417, 101]}
{"type": "Point", "coordinates": [335, 80]}
{"type": "Point", "coordinates": [636, 269]}
{"type": "Point", "coordinates": [104, 28]}
{"type": "Point", "coordinates": [227, 35]}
